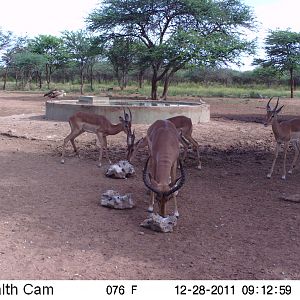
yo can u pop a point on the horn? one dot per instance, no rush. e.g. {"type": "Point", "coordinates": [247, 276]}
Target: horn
{"type": "Point", "coordinates": [130, 114]}
{"type": "Point", "coordinates": [279, 109]}
{"type": "Point", "coordinates": [277, 103]}
{"type": "Point", "coordinates": [268, 105]}
{"type": "Point", "coordinates": [179, 182]}
{"type": "Point", "coordinates": [125, 114]}
{"type": "Point", "coordinates": [146, 179]}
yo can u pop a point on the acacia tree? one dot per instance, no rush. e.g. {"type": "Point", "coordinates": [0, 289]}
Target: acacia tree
{"type": "Point", "coordinates": [29, 64]}
{"type": "Point", "coordinates": [81, 48]}
{"type": "Point", "coordinates": [6, 41]}
{"type": "Point", "coordinates": [52, 48]}
{"type": "Point", "coordinates": [122, 54]}
{"type": "Point", "coordinates": [282, 53]}
{"type": "Point", "coordinates": [16, 45]}
{"type": "Point", "coordinates": [176, 32]}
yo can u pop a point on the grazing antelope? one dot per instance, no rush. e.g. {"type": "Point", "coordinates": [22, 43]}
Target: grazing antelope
{"type": "Point", "coordinates": [284, 132]}
{"type": "Point", "coordinates": [183, 124]}
{"type": "Point", "coordinates": [163, 142]}
{"type": "Point", "coordinates": [55, 94]}
{"type": "Point", "coordinates": [82, 122]}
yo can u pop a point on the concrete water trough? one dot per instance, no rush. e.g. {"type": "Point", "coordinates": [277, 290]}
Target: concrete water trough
{"type": "Point", "coordinates": [144, 112]}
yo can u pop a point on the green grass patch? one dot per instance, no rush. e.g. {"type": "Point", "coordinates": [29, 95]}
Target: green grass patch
{"type": "Point", "coordinates": [178, 90]}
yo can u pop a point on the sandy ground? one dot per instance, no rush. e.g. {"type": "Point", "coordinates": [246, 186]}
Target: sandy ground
{"type": "Point", "coordinates": [233, 223]}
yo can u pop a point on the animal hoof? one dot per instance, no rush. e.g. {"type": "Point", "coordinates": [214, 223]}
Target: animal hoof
{"type": "Point", "coordinates": [199, 167]}
{"type": "Point", "coordinates": [99, 165]}
{"type": "Point", "coordinates": [290, 171]}
{"type": "Point", "coordinates": [62, 161]}
{"type": "Point", "coordinates": [283, 177]}
{"type": "Point", "coordinates": [269, 176]}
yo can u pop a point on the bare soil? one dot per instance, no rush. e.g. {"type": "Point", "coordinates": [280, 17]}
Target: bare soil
{"type": "Point", "coordinates": [233, 222]}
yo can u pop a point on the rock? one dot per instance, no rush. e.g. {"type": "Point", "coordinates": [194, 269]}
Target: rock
{"type": "Point", "coordinates": [122, 169]}
{"type": "Point", "coordinates": [291, 198]}
{"type": "Point", "coordinates": [160, 224]}
{"type": "Point", "coordinates": [113, 199]}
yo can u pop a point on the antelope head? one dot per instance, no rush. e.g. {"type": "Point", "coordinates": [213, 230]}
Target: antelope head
{"type": "Point", "coordinates": [271, 113]}
{"type": "Point", "coordinates": [163, 193]}
{"type": "Point", "coordinates": [130, 144]}
{"type": "Point", "coordinates": [126, 121]}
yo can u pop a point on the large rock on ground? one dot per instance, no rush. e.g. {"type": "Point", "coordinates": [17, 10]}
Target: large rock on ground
{"type": "Point", "coordinates": [122, 169]}
{"type": "Point", "coordinates": [158, 223]}
{"type": "Point", "coordinates": [113, 199]}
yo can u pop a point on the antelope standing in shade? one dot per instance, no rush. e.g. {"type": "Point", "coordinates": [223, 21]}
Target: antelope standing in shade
{"type": "Point", "coordinates": [163, 142]}
{"type": "Point", "coordinates": [82, 122]}
{"type": "Point", "coordinates": [284, 133]}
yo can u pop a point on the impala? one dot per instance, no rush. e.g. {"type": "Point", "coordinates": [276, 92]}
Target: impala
{"type": "Point", "coordinates": [284, 133]}
{"type": "Point", "coordinates": [183, 124]}
{"type": "Point", "coordinates": [82, 122]}
{"type": "Point", "coordinates": [163, 142]}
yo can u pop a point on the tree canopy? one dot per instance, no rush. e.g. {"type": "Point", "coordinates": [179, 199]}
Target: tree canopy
{"type": "Point", "coordinates": [178, 32]}
{"type": "Point", "coordinates": [282, 53]}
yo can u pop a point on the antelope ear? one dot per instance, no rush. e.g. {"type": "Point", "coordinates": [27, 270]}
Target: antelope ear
{"type": "Point", "coordinates": [279, 109]}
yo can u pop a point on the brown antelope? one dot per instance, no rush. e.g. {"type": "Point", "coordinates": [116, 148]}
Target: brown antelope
{"type": "Point", "coordinates": [183, 124]}
{"type": "Point", "coordinates": [284, 132]}
{"type": "Point", "coordinates": [82, 122]}
{"type": "Point", "coordinates": [163, 142]}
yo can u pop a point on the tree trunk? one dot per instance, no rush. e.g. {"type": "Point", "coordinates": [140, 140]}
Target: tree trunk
{"type": "Point", "coordinates": [81, 78]}
{"type": "Point", "coordinates": [16, 79]}
{"type": "Point", "coordinates": [154, 85]}
{"type": "Point", "coordinates": [167, 80]}
{"type": "Point", "coordinates": [292, 82]}
{"type": "Point", "coordinates": [40, 80]}
{"type": "Point", "coordinates": [141, 78]}
{"type": "Point", "coordinates": [47, 76]}
{"type": "Point", "coordinates": [124, 79]}
{"type": "Point", "coordinates": [91, 75]}
{"type": "Point", "coordinates": [166, 86]}
{"type": "Point", "coordinates": [5, 79]}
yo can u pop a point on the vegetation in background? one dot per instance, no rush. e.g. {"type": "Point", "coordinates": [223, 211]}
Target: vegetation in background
{"type": "Point", "coordinates": [83, 63]}
{"type": "Point", "coordinates": [174, 34]}
{"type": "Point", "coordinates": [282, 54]}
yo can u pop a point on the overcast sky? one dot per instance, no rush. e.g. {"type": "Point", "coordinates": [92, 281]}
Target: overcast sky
{"type": "Point", "coordinates": [34, 17]}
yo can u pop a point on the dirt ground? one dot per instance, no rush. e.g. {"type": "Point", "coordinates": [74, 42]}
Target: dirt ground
{"type": "Point", "coordinates": [233, 223]}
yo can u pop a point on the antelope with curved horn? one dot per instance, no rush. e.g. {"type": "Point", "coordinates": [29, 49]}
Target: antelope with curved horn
{"type": "Point", "coordinates": [284, 133]}
{"type": "Point", "coordinates": [183, 124]}
{"type": "Point", "coordinates": [82, 122]}
{"type": "Point", "coordinates": [163, 142]}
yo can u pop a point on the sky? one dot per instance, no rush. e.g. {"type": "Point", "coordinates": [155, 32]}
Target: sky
{"type": "Point", "coordinates": [272, 15]}
{"type": "Point", "coordinates": [34, 17]}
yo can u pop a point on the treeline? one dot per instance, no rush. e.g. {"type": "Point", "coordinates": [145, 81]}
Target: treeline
{"type": "Point", "coordinates": [75, 58]}
{"type": "Point", "coordinates": [128, 41]}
